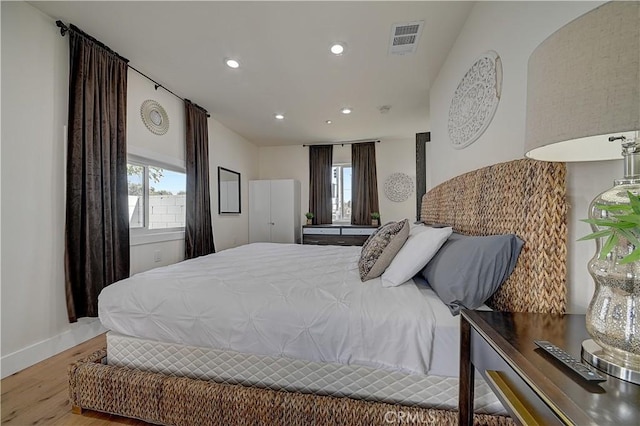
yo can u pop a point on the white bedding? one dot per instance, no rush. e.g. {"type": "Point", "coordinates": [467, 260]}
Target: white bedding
{"type": "Point", "coordinates": [296, 301]}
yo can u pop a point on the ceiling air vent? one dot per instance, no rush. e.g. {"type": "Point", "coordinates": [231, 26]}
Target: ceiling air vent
{"type": "Point", "coordinates": [405, 37]}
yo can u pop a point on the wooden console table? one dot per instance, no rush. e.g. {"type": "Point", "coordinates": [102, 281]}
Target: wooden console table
{"type": "Point", "coordinates": [531, 385]}
{"type": "Point", "coordinates": [336, 235]}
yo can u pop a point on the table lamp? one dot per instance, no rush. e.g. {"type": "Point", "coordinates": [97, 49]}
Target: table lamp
{"type": "Point", "coordinates": [583, 104]}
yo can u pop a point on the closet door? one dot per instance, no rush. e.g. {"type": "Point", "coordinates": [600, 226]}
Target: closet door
{"type": "Point", "coordinates": [282, 228]}
{"type": "Point", "coordinates": [259, 211]}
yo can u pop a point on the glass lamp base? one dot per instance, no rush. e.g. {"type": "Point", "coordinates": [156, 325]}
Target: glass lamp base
{"type": "Point", "coordinates": [595, 355]}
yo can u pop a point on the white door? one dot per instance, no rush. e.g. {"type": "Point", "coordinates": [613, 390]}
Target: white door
{"type": "Point", "coordinates": [282, 211]}
{"type": "Point", "coordinates": [259, 211]}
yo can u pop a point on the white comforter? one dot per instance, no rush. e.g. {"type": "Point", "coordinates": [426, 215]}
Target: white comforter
{"type": "Point", "coordinates": [295, 301]}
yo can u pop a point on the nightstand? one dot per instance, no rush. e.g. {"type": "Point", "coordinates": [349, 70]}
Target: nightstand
{"type": "Point", "coordinates": [532, 386]}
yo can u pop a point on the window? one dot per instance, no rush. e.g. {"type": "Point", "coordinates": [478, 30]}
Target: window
{"type": "Point", "coordinates": [157, 196]}
{"type": "Point", "coordinates": [341, 193]}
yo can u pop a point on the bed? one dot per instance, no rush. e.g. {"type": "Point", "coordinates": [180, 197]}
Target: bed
{"type": "Point", "coordinates": [147, 378]}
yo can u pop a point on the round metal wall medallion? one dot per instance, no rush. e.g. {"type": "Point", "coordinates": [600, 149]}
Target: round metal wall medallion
{"type": "Point", "coordinates": [398, 187]}
{"type": "Point", "coordinates": [475, 100]}
{"type": "Point", "coordinates": [154, 117]}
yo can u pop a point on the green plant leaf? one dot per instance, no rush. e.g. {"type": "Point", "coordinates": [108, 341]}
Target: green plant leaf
{"type": "Point", "coordinates": [608, 246]}
{"type": "Point", "coordinates": [614, 207]}
{"type": "Point", "coordinates": [598, 234]}
{"type": "Point", "coordinates": [631, 257]}
{"type": "Point", "coordinates": [602, 222]}
{"type": "Point", "coordinates": [630, 236]}
{"type": "Point", "coordinates": [622, 222]}
{"type": "Point", "coordinates": [635, 202]}
{"type": "Point", "coordinates": [610, 223]}
{"type": "Point", "coordinates": [631, 218]}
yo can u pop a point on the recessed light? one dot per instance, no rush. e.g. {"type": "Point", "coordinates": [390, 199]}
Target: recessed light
{"type": "Point", "coordinates": [338, 48]}
{"type": "Point", "coordinates": [232, 63]}
{"type": "Point", "coordinates": [328, 121]}
{"type": "Point", "coordinates": [346, 110]}
{"type": "Point", "coordinates": [279, 116]}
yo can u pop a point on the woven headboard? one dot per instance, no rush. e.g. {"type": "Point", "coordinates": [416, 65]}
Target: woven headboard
{"type": "Point", "coordinates": [523, 197]}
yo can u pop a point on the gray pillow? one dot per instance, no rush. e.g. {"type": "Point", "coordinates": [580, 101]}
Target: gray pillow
{"type": "Point", "coordinates": [467, 270]}
{"type": "Point", "coordinates": [380, 249]}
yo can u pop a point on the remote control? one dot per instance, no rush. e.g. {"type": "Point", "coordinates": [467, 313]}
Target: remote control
{"type": "Point", "coordinates": [584, 371]}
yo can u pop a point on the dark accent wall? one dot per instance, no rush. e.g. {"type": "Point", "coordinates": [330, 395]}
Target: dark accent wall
{"type": "Point", "coordinates": [421, 168]}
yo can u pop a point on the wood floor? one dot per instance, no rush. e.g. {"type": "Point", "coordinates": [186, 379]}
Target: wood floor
{"type": "Point", "coordinates": [39, 395]}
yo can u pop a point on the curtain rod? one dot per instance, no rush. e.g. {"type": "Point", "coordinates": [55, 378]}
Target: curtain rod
{"type": "Point", "coordinates": [342, 143]}
{"type": "Point", "coordinates": [63, 31]}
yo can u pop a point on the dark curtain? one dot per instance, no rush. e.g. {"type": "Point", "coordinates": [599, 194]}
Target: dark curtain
{"type": "Point", "coordinates": [320, 165]}
{"type": "Point", "coordinates": [421, 169]}
{"type": "Point", "coordinates": [97, 213]}
{"type": "Point", "coordinates": [198, 229]}
{"type": "Point", "coordinates": [364, 183]}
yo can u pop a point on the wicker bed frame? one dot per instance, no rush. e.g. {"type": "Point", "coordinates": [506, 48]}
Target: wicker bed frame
{"type": "Point", "coordinates": [524, 197]}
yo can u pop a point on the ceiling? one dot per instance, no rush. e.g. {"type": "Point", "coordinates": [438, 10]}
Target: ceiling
{"type": "Point", "coordinates": [286, 66]}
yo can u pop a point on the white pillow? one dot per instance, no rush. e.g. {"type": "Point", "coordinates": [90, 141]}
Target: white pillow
{"type": "Point", "coordinates": [423, 243]}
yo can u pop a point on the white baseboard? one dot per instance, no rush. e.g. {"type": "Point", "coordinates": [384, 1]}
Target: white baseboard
{"type": "Point", "coordinates": [83, 330]}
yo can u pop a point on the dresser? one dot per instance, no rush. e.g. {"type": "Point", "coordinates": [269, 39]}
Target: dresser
{"type": "Point", "coordinates": [336, 235]}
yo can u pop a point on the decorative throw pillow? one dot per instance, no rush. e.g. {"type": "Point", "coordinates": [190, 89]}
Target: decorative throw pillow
{"type": "Point", "coordinates": [371, 236]}
{"type": "Point", "coordinates": [378, 251]}
{"type": "Point", "coordinates": [421, 246]}
{"type": "Point", "coordinates": [467, 270]}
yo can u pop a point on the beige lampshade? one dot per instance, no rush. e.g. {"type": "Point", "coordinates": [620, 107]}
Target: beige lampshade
{"type": "Point", "coordinates": [583, 86]}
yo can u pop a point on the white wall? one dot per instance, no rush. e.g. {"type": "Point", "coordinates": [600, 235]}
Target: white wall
{"type": "Point", "coordinates": [229, 150]}
{"type": "Point", "coordinates": [514, 30]}
{"type": "Point", "coordinates": [34, 114]}
{"type": "Point", "coordinates": [392, 156]}
{"type": "Point", "coordinates": [396, 156]}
